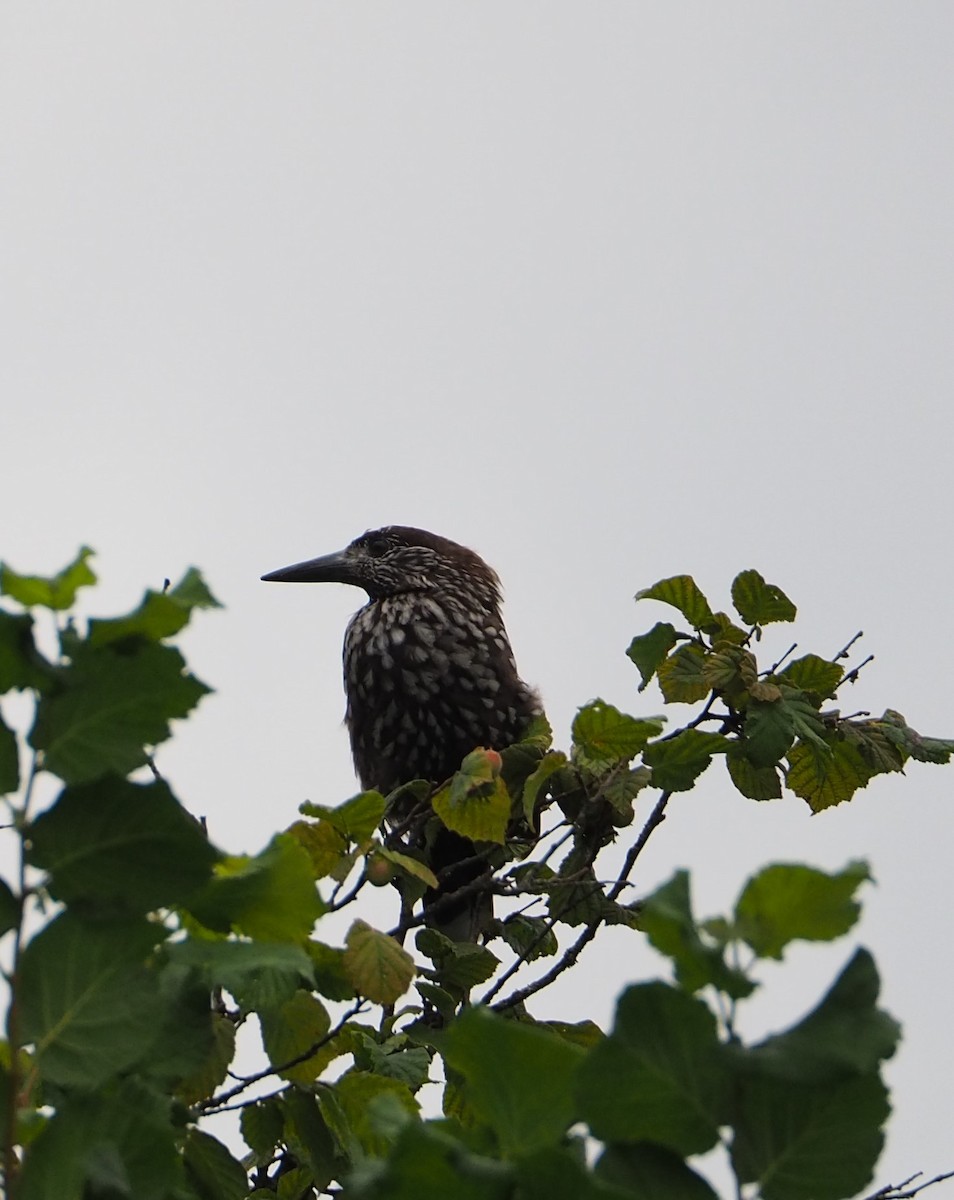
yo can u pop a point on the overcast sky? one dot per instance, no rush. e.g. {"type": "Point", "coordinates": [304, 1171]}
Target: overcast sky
{"type": "Point", "coordinates": [606, 291]}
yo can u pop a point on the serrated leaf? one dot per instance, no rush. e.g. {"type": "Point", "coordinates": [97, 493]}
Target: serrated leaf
{"type": "Point", "coordinates": [651, 1173]}
{"type": "Point", "coordinates": [517, 1078]}
{"type": "Point", "coordinates": [826, 779]}
{"type": "Point", "coordinates": [407, 864]}
{"type": "Point", "coordinates": [86, 1000]}
{"type": "Point", "coordinates": [290, 1030]}
{"type": "Point", "coordinates": [552, 761]}
{"type": "Point", "coordinates": [603, 735]}
{"type": "Point", "coordinates": [814, 674]}
{"type": "Point", "coordinates": [466, 966]}
{"type": "Point", "coordinates": [21, 664]}
{"type": "Point", "coordinates": [758, 602]}
{"type": "Point", "coordinates": [659, 1076]}
{"type": "Point", "coordinates": [846, 1034]}
{"type": "Point", "coordinates": [921, 749]}
{"type": "Point", "coordinates": [115, 845]}
{"type": "Point", "coordinates": [357, 819]}
{"type": "Point", "coordinates": [682, 676]}
{"type": "Point", "coordinates": [331, 979]}
{"type": "Point", "coordinates": [211, 1169]}
{"type": "Point", "coordinates": [681, 592]}
{"type": "Point", "coordinates": [324, 845]}
{"type": "Point", "coordinates": [212, 1071]}
{"type": "Point", "coordinates": [271, 896]}
{"type": "Point", "coordinates": [376, 965]}
{"type": "Point", "coordinates": [529, 937]}
{"type": "Point", "coordinates": [667, 920]}
{"type": "Point", "coordinates": [808, 1143]}
{"type": "Point", "coordinates": [56, 592]}
{"type": "Point", "coordinates": [648, 650]}
{"type": "Point", "coordinates": [729, 668]}
{"type": "Point", "coordinates": [261, 1125]}
{"type": "Point", "coordinates": [757, 783]}
{"type": "Point", "coordinates": [678, 762]}
{"type": "Point", "coordinates": [805, 717]}
{"type": "Point", "coordinates": [357, 1092]}
{"type": "Point", "coordinates": [96, 1143]}
{"type": "Point", "coordinates": [789, 901]}
{"type": "Point", "coordinates": [109, 708]}
{"type": "Point", "coordinates": [769, 732]}
{"type": "Point", "coordinates": [258, 974]}
{"type": "Point", "coordinates": [192, 591]}
{"type": "Point", "coordinates": [479, 811]}
{"type": "Point", "coordinates": [9, 759]}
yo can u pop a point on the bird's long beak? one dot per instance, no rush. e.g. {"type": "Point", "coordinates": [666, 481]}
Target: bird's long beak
{"type": "Point", "coordinates": [330, 568]}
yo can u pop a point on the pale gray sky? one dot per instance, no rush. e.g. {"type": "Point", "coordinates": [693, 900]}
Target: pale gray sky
{"type": "Point", "coordinates": [607, 291]}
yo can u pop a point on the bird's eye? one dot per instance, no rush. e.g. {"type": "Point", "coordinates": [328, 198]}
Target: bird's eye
{"type": "Point", "coordinates": [376, 547]}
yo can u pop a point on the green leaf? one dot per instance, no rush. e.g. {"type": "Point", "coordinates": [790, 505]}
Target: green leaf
{"type": "Point", "coordinates": [789, 901]}
{"type": "Point", "coordinates": [757, 783]}
{"type": "Point", "coordinates": [922, 749]}
{"type": "Point", "coordinates": [814, 674]}
{"type": "Point", "coordinates": [602, 735]}
{"type": "Point", "coordinates": [357, 819]}
{"type": "Point", "coordinates": [206, 1073]}
{"type": "Point", "coordinates": [427, 1163]}
{"type": "Point", "coordinates": [192, 592]}
{"type": "Point", "coordinates": [116, 1144]}
{"type": "Point", "coordinates": [682, 677]}
{"type": "Point", "coordinates": [159, 614]}
{"type": "Point", "coordinates": [809, 1143]}
{"type": "Point", "coordinates": [769, 732]}
{"type": "Point", "coordinates": [552, 761]}
{"type": "Point", "coordinates": [86, 1001]}
{"type": "Point", "coordinates": [826, 779]}
{"type": "Point", "coordinates": [21, 664]}
{"type": "Point", "coordinates": [530, 937]}
{"type": "Point", "coordinates": [376, 965]}
{"type": "Point", "coordinates": [517, 1078]}
{"type": "Point", "coordinates": [466, 965]}
{"type": "Point", "coordinates": [271, 897]}
{"type": "Point", "coordinates": [331, 979]}
{"type": "Point", "coordinates": [649, 649]}
{"type": "Point", "coordinates": [115, 845]}
{"type": "Point", "coordinates": [666, 918]}
{"type": "Point", "coordinates": [682, 592]}
{"type": "Point", "coordinates": [805, 717]}
{"type": "Point", "coordinates": [359, 1093]}
{"type": "Point", "coordinates": [846, 1034]}
{"type": "Point", "coordinates": [758, 602]}
{"type": "Point", "coordinates": [410, 866]}
{"type": "Point", "coordinates": [659, 1076]}
{"type": "Point", "coordinates": [211, 1170]}
{"type": "Point", "coordinates": [261, 1124]}
{"type": "Point", "coordinates": [55, 591]}
{"type": "Point", "coordinates": [476, 809]}
{"type": "Point", "coordinates": [110, 708]}
{"type": "Point", "coordinates": [651, 1173]}
{"type": "Point", "coordinates": [291, 1030]}
{"type": "Point", "coordinates": [9, 759]}
{"type": "Point", "coordinates": [257, 974]}
{"type": "Point", "coordinates": [678, 762]}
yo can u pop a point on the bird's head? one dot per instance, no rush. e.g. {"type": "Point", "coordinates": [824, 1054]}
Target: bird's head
{"type": "Point", "coordinates": [399, 558]}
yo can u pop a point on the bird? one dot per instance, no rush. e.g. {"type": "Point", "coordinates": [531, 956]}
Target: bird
{"type": "Point", "coordinates": [429, 676]}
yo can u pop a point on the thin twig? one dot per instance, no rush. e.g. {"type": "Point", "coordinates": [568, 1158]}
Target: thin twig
{"type": "Point", "coordinates": [843, 652]}
{"type": "Point", "coordinates": [903, 1190]}
{"type": "Point", "coordinates": [573, 952]}
{"type": "Point", "coordinates": [215, 1103]}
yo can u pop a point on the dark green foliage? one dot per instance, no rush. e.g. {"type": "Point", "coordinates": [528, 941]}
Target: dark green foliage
{"type": "Point", "coordinates": [139, 951]}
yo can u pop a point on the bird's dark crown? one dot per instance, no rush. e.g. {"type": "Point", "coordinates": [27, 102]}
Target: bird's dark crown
{"type": "Point", "coordinates": [400, 558]}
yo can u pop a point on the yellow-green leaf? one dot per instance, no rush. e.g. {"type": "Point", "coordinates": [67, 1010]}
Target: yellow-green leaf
{"type": "Point", "coordinates": [376, 965]}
